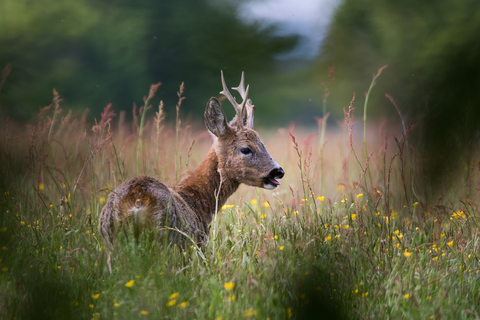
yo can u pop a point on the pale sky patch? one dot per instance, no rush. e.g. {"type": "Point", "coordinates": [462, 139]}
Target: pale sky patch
{"type": "Point", "coordinates": [307, 18]}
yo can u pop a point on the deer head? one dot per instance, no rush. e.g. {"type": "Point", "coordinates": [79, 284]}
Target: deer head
{"type": "Point", "coordinates": [241, 154]}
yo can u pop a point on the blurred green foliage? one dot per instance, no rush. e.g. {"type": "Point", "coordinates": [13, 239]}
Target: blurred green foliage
{"type": "Point", "coordinates": [433, 52]}
{"type": "Point", "coordinates": [431, 47]}
{"type": "Point", "coordinates": [97, 52]}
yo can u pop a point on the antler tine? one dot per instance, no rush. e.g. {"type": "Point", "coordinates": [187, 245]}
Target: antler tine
{"type": "Point", "coordinates": [236, 106]}
{"type": "Point", "coordinates": [227, 93]}
{"type": "Point", "coordinates": [244, 103]}
{"type": "Point", "coordinates": [241, 87]}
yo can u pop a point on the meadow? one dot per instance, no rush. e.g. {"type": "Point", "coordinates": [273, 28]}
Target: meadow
{"type": "Point", "coordinates": [349, 234]}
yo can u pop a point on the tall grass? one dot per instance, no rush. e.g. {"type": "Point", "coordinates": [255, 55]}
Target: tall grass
{"type": "Point", "coordinates": [347, 251]}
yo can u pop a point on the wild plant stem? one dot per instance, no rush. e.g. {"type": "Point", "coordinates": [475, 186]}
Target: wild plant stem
{"type": "Point", "coordinates": [177, 129]}
{"type": "Point", "coordinates": [365, 132]}
{"type": "Point", "coordinates": [372, 84]}
{"type": "Point", "coordinates": [322, 143]}
{"type": "Point", "coordinates": [116, 157]}
{"type": "Point", "coordinates": [140, 133]}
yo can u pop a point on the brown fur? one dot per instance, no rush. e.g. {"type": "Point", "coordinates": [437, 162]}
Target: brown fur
{"type": "Point", "coordinates": [190, 206]}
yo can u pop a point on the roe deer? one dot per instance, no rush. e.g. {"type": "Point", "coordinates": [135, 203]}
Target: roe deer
{"type": "Point", "coordinates": [237, 156]}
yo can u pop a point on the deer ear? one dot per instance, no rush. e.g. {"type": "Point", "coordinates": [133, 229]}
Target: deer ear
{"type": "Point", "coordinates": [215, 118]}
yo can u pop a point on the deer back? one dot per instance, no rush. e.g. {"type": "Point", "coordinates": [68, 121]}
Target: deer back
{"type": "Point", "coordinates": [148, 203]}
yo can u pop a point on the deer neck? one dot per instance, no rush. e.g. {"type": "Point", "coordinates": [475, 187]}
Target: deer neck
{"type": "Point", "coordinates": [200, 188]}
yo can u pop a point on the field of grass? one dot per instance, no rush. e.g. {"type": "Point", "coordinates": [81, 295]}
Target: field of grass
{"type": "Point", "coordinates": [341, 238]}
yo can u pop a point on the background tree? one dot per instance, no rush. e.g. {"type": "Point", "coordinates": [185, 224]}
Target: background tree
{"type": "Point", "coordinates": [96, 52]}
{"type": "Point", "coordinates": [433, 54]}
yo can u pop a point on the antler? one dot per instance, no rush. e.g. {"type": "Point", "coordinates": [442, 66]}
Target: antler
{"type": "Point", "coordinates": [244, 94]}
{"type": "Point", "coordinates": [240, 108]}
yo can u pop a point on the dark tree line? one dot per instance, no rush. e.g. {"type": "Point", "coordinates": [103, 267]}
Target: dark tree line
{"type": "Point", "coordinates": [433, 52]}
{"type": "Point", "coordinates": [97, 52]}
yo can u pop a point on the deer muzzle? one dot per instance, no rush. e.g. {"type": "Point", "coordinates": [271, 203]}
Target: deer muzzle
{"type": "Point", "coordinates": [270, 181]}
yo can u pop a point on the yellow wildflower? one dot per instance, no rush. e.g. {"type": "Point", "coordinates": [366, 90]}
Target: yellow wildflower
{"type": "Point", "coordinates": [231, 298]}
{"type": "Point", "coordinates": [266, 204]}
{"type": "Point", "coordinates": [295, 212]}
{"type": "Point", "coordinates": [406, 296]}
{"type": "Point", "coordinates": [22, 223]}
{"type": "Point", "coordinates": [183, 305]}
{"type": "Point", "coordinates": [347, 226]}
{"type": "Point", "coordinates": [359, 195]}
{"type": "Point", "coordinates": [276, 237]}
{"type": "Point", "coordinates": [343, 200]}
{"type": "Point", "coordinates": [229, 285]}
{"type": "Point", "coordinates": [116, 305]}
{"type": "Point", "coordinates": [130, 283]}
{"type": "Point", "coordinates": [51, 205]}
{"type": "Point", "coordinates": [415, 204]}
{"type": "Point", "coordinates": [102, 200]}
{"type": "Point", "coordinates": [250, 313]}
{"type": "Point", "coordinates": [40, 187]}
{"type": "Point", "coordinates": [396, 232]}
{"type": "Point", "coordinates": [143, 312]}
{"type": "Point", "coordinates": [224, 207]}
{"type": "Point", "coordinates": [5, 269]}
{"type": "Point", "coordinates": [328, 238]}
{"type": "Point", "coordinates": [407, 254]}
{"type": "Point", "coordinates": [171, 303]}
{"type": "Point", "coordinates": [321, 198]}
{"type": "Point", "coordinates": [91, 306]}
{"type": "Point", "coordinates": [450, 244]}
{"type": "Point", "coordinates": [95, 296]}
{"type": "Point", "coordinates": [4, 229]}
{"type": "Point", "coordinates": [173, 296]}
{"type": "Point", "coordinates": [253, 202]}
{"type": "Point", "coordinates": [281, 248]}
{"type": "Point", "coordinates": [354, 216]}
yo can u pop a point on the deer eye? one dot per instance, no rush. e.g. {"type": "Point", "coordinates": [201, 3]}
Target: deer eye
{"type": "Point", "coordinates": [245, 151]}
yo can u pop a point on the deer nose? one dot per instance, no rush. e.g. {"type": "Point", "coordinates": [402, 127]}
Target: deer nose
{"type": "Point", "coordinates": [278, 173]}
